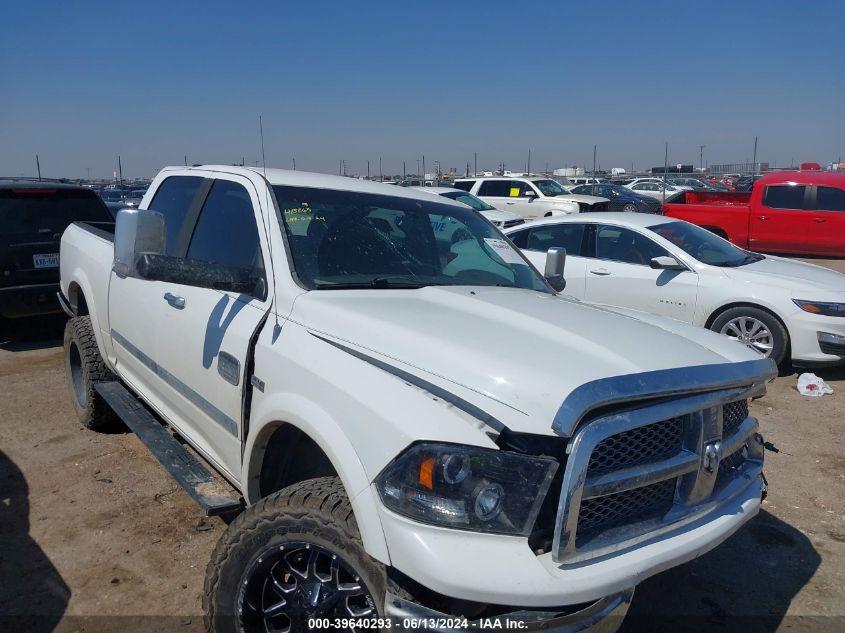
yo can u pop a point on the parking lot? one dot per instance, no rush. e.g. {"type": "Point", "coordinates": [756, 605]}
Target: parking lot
{"type": "Point", "coordinates": [91, 525]}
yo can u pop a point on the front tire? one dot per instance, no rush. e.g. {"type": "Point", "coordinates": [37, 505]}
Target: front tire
{"type": "Point", "coordinates": [295, 555]}
{"type": "Point", "coordinates": [756, 328]}
{"type": "Point", "coordinates": [84, 367]}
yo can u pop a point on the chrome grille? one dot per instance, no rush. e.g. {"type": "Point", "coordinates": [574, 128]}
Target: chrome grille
{"type": "Point", "coordinates": [732, 462]}
{"type": "Point", "coordinates": [638, 446]}
{"type": "Point", "coordinates": [602, 513]}
{"type": "Point", "coordinates": [733, 415]}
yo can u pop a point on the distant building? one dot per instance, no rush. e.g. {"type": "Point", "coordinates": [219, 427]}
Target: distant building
{"type": "Point", "coordinates": [738, 168]}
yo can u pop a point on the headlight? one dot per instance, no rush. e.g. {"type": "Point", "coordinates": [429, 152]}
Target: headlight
{"type": "Point", "coordinates": [821, 307]}
{"type": "Point", "coordinates": [466, 487]}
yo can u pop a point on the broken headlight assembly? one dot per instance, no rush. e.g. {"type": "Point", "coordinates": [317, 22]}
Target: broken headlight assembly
{"type": "Point", "coordinates": [467, 487]}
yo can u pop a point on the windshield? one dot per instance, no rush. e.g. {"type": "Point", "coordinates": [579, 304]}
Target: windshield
{"type": "Point", "coordinates": [347, 239]}
{"type": "Point", "coordinates": [468, 199]}
{"type": "Point", "coordinates": [550, 188]}
{"type": "Point", "coordinates": [704, 245]}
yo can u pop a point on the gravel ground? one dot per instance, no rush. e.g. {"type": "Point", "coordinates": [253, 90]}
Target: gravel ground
{"type": "Point", "coordinates": [91, 525]}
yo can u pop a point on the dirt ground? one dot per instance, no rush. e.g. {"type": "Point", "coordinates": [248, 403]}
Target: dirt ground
{"type": "Point", "coordinates": [91, 526]}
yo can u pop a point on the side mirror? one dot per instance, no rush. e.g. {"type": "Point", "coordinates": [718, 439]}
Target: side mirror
{"type": "Point", "coordinates": [666, 262]}
{"type": "Point", "coordinates": [137, 232]}
{"type": "Point", "coordinates": [202, 274]}
{"type": "Point", "coordinates": [530, 194]}
{"type": "Point", "coordinates": [555, 263]}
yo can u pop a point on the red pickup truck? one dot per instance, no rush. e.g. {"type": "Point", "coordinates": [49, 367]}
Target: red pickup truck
{"type": "Point", "coordinates": [785, 212]}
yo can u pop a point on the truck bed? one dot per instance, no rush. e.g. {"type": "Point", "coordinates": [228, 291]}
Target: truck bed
{"type": "Point", "coordinates": [720, 198]}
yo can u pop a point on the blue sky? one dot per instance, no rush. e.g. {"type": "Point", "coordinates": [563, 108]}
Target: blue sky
{"type": "Point", "coordinates": [155, 81]}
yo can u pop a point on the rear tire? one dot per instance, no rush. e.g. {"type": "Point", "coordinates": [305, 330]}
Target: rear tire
{"type": "Point", "coordinates": [292, 554]}
{"type": "Point", "coordinates": [84, 368]}
{"type": "Point", "coordinates": [755, 328]}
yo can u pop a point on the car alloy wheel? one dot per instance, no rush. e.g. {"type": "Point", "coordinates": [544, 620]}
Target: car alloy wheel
{"type": "Point", "coordinates": [290, 584]}
{"type": "Point", "coordinates": [751, 332]}
{"type": "Point", "coordinates": [630, 208]}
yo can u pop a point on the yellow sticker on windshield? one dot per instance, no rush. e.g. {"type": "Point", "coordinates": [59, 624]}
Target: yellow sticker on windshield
{"type": "Point", "coordinates": [514, 192]}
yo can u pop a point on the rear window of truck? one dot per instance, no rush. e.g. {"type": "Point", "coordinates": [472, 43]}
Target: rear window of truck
{"type": "Point", "coordinates": [36, 210]}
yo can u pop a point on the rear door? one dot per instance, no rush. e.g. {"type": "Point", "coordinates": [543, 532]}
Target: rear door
{"type": "Point", "coordinates": [535, 243]}
{"type": "Point", "coordinates": [618, 274]}
{"type": "Point", "coordinates": [204, 334]}
{"type": "Point", "coordinates": [780, 222]}
{"type": "Point", "coordinates": [826, 208]}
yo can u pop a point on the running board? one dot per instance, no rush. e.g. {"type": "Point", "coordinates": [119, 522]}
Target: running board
{"type": "Point", "coordinates": [212, 497]}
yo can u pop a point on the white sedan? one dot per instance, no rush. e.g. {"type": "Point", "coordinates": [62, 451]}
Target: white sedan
{"type": "Point", "coordinates": [671, 268]}
{"type": "Point", "coordinates": [654, 187]}
{"type": "Point", "coordinates": [499, 218]}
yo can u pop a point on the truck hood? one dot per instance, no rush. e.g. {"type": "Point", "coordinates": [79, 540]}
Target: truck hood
{"type": "Point", "coordinates": [515, 354]}
{"type": "Point", "coordinates": [799, 278]}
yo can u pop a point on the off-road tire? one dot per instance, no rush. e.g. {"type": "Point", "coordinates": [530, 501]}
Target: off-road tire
{"type": "Point", "coordinates": [780, 337]}
{"type": "Point", "coordinates": [84, 368]}
{"type": "Point", "coordinates": [315, 511]}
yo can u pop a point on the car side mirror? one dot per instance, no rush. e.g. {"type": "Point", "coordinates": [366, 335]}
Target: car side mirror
{"type": "Point", "coordinates": [202, 274]}
{"type": "Point", "coordinates": [137, 232]}
{"type": "Point", "coordinates": [666, 262]}
{"type": "Point", "coordinates": [530, 194]}
{"type": "Point", "coordinates": [555, 263]}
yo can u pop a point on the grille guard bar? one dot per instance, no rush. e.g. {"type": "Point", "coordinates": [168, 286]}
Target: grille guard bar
{"type": "Point", "coordinates": [703, 391]}
{"type": "Point", "coordinates": [657, 384]}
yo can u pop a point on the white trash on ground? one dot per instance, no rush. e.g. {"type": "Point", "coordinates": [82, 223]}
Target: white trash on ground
{"type": "Point", "coordinates": [812, 385]}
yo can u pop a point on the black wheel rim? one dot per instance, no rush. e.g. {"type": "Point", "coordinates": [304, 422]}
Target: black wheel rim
{"type": "Point", "coordinates": [77, 377]}
{"type": "Point", "coordinates": [291, 583]}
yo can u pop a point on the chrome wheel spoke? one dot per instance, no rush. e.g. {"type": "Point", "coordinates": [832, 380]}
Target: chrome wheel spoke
{"type": "Point", "coordinates": [291, 584]}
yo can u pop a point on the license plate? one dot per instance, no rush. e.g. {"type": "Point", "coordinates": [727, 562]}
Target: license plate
{"type": "Point", "coordinates": [50, 260]}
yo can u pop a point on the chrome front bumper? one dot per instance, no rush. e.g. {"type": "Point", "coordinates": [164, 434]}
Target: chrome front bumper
{"type": "Point", "coordinates": [602, 616]}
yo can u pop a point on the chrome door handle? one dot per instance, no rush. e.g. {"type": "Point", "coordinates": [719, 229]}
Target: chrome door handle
{"type": "Point", "coordinates": [174, 300]}
{"type": "Point", "coordinates": [600, 271]}
{"type": "Point", "coordinates": [764, 217]}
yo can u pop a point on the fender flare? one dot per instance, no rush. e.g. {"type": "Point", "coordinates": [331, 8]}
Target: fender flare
{"type": "Point", "coordinates": [283, 408]}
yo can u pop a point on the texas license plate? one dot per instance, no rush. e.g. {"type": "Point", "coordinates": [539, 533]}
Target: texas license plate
{"type": "Point", "coordinates": [50, 260]}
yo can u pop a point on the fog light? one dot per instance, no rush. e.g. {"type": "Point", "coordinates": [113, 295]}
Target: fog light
{"type": "Point", "coordinates": [488, 501]}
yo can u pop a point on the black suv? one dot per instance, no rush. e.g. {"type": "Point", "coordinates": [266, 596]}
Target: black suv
{"type": "Point", "coordinates": [33, 216]}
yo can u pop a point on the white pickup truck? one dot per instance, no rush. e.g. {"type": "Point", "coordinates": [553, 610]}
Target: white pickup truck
{"type": "Point", "coordinates": [415, 433]}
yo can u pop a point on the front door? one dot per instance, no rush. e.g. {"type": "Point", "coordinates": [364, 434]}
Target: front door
{"type": "Point", "coordinates": [618, 274]}
{"type": "Point", "coordinates": [204, 334]}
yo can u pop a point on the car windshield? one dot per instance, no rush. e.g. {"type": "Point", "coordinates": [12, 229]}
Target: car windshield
{"type": "Point", "coordinates": [346, 239]}
{"type": "Point", "coordinates": [550, 188]}
{"type": "Point", "coordinates": [468, 199]}
{"type": "Point", "coordinates": [704, 245]}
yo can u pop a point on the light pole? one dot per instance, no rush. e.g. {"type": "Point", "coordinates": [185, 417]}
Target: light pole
{"type": "Point", "coordinates": [701, 158]}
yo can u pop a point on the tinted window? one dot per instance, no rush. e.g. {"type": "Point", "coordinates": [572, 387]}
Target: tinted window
{"type": "Point", "coordinates": [226, 231]}
{"type": "Point", "coordinates": [784, 197]}
{"type": "Point", "coordinates": [624, 245]}
{"type": "Point", "coordinates": [830, 199]}
{"type": "Point", "coordinates": [48, 211]}
{"type": "Point", "coordinates": [464, 185]}
{"type": "Point", "coordinates": [520, 238]}
{"type": "Point", "coordinates": [173, 199]}
{"type": "Point", "coordinates": [566, 236]}
{"type": "Point", "coordinates": [499, 188]}
{"type": "Point", "coordinates": [468, 199]}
